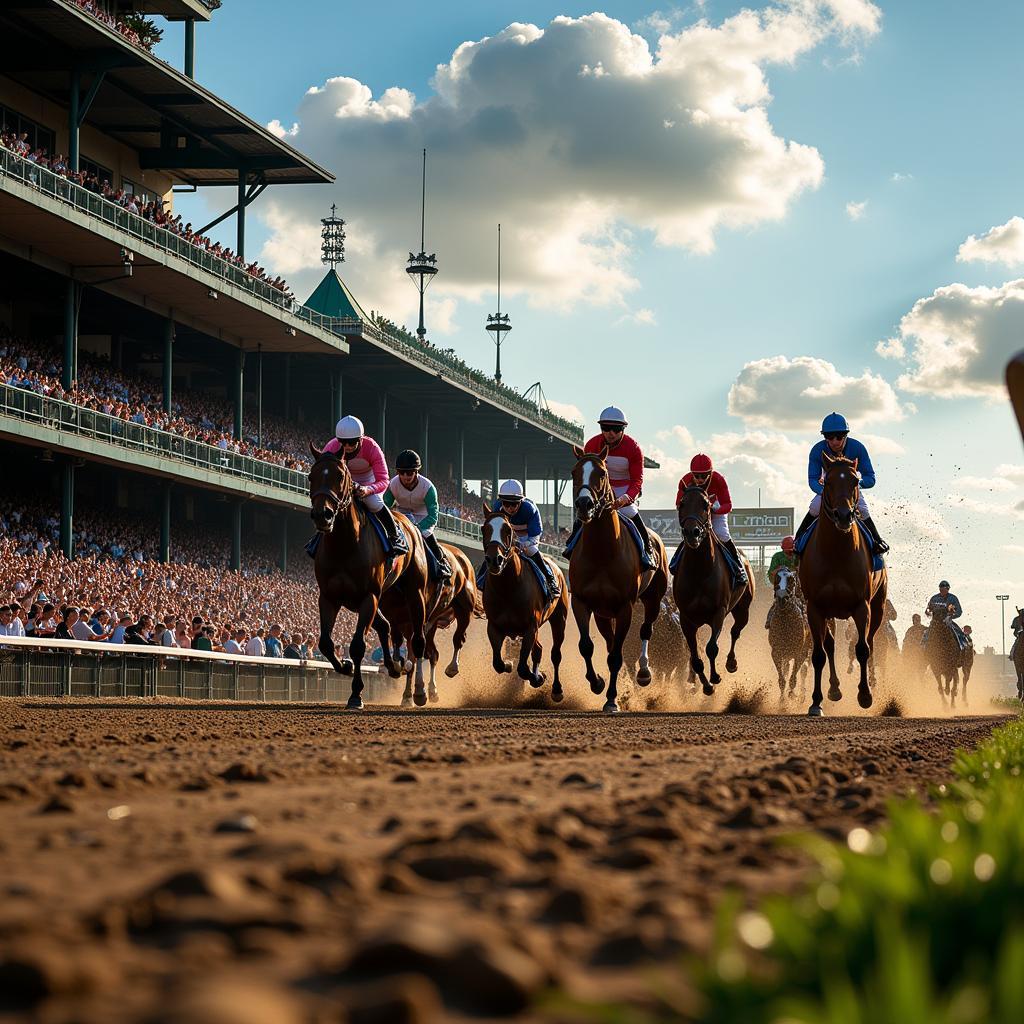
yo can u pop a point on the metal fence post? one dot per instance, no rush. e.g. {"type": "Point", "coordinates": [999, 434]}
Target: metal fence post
{"type": "Point", "coordinates": [66, 676]}
{"type": "Point", "coordinates": [263, 683]}
{"type": "Point", "coordinates": [209, 679]}
{"type": "Point", "coordinates": [24, 688]}
{"type": "Point", "coordinates": [181, 678]}
{"type": "Point", "coordinates": [234, 680]}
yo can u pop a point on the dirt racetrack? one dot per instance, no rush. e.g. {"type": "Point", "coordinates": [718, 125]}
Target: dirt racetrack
{"type": "Point", "coordinates": [176, 861]}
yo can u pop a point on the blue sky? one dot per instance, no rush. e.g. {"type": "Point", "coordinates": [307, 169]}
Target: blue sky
{"type": "Point", "coordinates": [914, 117]}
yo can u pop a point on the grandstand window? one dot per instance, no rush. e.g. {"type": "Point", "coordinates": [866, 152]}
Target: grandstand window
{"type": "Point", "coordinates": [39, 136]}
{"type": "Point", "coordinates": [101, 172]}
{"type": "Point", "coordinates": [134, 189]}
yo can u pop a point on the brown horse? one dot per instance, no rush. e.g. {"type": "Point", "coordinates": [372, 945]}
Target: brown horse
{"type": "Point", "coordinates": [703, 587]}
{"type": "Point", "coordinates": [455, 601]}
{"type": "Point", "coordinates": [352, 572]}
{"type": "Point", "coordinates": [1018, 659]}
{"type": "Point", "coordinates": [606, 578]}
{"type": "Point", "coordinates": [838, 581]}
{"type": "Point", "coordinates": [515, 606]}
{"type": "Point", "coordinates": [788, 635]}
{"type": "Point", "coordinates": [942, 653]}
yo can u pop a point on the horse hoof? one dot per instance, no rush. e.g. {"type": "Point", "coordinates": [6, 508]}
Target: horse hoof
{"type": "Point", "coordinates": [348, 667]}
{"type": "Point", "coordinates": [731, 664]}
{"type": "Point", "coordinates": [408, 666]}
{"type": "Point", "coordinates": [864, 699]}
{"type": "Point", "coordinates": [597, 685]}
{"type": "Point", "coordinates": [835, 693]}
{"type": "Point", "coordinates": [451, 671]}
{"type": "Point", "coordinates": [355, 703]}
{"type": "Point", "coordinates": [433, 696]}
{"type": "Point", "coordinates": [506, 666]}
{"type": "Point", "coordinates": [708, 689]}
{"type": "Point", "coordinates": [643, 677]}
{"type": "Point", "coordinates": [420, 699]}
{"type": "Point", "coordinates": [395, 673]}
{"type": "Point", "coordinates": [611, 707]}
{"type": "Point", "coordinates": [814, 711]}
{"type": "Point", "coordinates": [406, 702]}
{"type": "Point", "coordinates": [556, 695]}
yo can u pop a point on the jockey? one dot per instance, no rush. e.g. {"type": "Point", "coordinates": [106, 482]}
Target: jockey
{"type": "Point", "coordinates": [524, 516]}
{"type": "Point", "coordinates": [784, 559]}
{"type": "Point", "coordinates": [369, 471]}
{"type": "Point", "coordinates": [944, 599]}
{"type": "Point", "coordinates": [703, 474]}
{"type": "Point", "coordinates": [915, 634]}
{"type": "Point", "coordinates": [625, 464]}
{"type": "Point", "coordinates": [1017, 625]}
{"type": "Point", "coordinates": [416, 498]}
{"type": "Point", "coordinates": [836, 441]}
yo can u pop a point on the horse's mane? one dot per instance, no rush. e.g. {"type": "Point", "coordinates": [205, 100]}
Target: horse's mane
{"type": "Point", "coordinates": [838, 460]}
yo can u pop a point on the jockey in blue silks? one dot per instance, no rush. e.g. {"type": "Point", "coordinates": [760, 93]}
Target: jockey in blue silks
{"type": "Point", "coordinates": [524, 517]}
{"type": "Point", "coordinates": [835, 441]}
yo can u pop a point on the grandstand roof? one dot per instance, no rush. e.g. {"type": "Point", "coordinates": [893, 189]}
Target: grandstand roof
{"type": "Point", "coordinates": [173, 123]}
{"type": "Point", "coordinates": [175, 10]}
{"type": "Point", "coordinates": [332, 298]}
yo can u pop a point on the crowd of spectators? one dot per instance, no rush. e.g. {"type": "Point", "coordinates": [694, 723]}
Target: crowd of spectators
{"type": "Point", "coordinates": [125, 28]}
{"type": "Point", "coordinates": [150, 209]}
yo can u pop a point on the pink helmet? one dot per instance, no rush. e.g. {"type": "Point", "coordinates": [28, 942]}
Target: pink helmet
{"type": "Point", "coordinates": [701, 463]}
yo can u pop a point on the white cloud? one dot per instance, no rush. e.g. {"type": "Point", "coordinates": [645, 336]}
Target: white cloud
{"type": "Point", "coordinates": [898, 179]}
{"type": "Point", "coordinates": [515, 132]}
{"type": "Point", "coordinates": [966, 503]}
{"type": "Point", "coordinates": [640, 318]}
{"type": "Point", "coordinates": [855, 211]}
{"type": "Point", "coordinates": [1014, 549]}
{"type": "Point", "coordinates": [276, 128]}
{"type": "Point", "coordinates": [567, 410]}
{"type": "Point", "coordinates": [797, 393]}
{"type": "Point", "coordinates": [1010, 471]}
{"type": "Point", "coordinates": [1001, 244]}
{"type": "Point", "coordinates": [957, 341]}
{"type": "Point", "coordinates": [984, 483]}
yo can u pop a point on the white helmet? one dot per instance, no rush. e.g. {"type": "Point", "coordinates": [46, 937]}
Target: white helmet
{"type": "Point", "coordinates": [511, 489]}
{"type": "Point", "coordinates": [349, 428]}
{"type": "Point", "coordinates": [612, 415]}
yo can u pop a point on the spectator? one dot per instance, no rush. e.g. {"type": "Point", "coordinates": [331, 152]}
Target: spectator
{"type": "Point", "coordinates": [123, 622]}
{"type": "Point", "coordinates": [81, 630]}
{"type": "Point", "coordinates": [256, 648]}
{"type": "Point", "coordinates": [165, 632]}
{"type": "Point", "coordinates": [293, 649]}
{"type": "Point", "coordinates": [68, 618]}
{"type": "Point", "coordinates": [236, 643]}
{"type": "Point", "coordinates": [273, 642]}
{"type": "Point", "coordinates": [10, 624]}
{"type": "Point", "coordinates": [202, 641]}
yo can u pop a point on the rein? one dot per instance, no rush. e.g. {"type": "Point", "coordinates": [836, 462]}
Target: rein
{"type": "Point", "coordinates": [506, 550]}
{"type": "Point", "coordinates": [337, 502]}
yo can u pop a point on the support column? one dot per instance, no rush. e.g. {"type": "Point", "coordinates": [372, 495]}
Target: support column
{"type": "Point", "coordinates": [70, 369]}
{"type": "Point", "coordinates": [554, 515]}
{"type": "Point", "coordinates": [168, 363]}
{"type": "Point", "coordinates": [240, 216]}
{"type": "Point", "coordinates": [526, 472]}
{"type": "Point", "coordinates": [74, 118]}
{"type": "Point", "coordinates": [382, 402]}
{"type": "Point", "coordinates": [425, 439]}
{"type": "Point", "coordinates": [165, 523]}
{"type": "Point", "coordinates": [287, 378]}
{"type": "Point", "coordinates": [283, 562]}
{"type": "Point", "coordinates": [67, 509]}
{"type": "Point", "coordinates": [239, 390]}
{"type": "Point", "coordinates": [259, 395]}
{"type": "Point", "coordinates": [462, 463]}
{"type": "Point", "coordinates": [190, 48]}
{"type": "Point", "coordinates": [236, 536]}
{"type": "Point", "coordinates": [497, 471]}
{"type": "Point", "coordinates": [338, 396]}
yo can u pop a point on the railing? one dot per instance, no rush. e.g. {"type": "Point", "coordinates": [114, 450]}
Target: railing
{"type": "Point", "coordinates": [81, 199]}
{"type": "Point", "coordinates": [471, 531]}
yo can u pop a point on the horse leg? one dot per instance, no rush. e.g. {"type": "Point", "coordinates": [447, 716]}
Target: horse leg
{"type": "Point", "coordinates": [384, 630]}
{"type": "Point", "coordinates": [954, 676]}
{"type": "Point", "coordinates": [581, 613]}
{"type": "Point", "coordinates": [606, 627]}
{"type": "Point", "coordinates": [497, 639]}
{"type": "Point", "coordinates": [417, 640]}
{"type": "Point", "coordinates": [711, 650]}
{"type": "Point", "coordinates": [777, 658]}
{"type": "Point", "coordinates": [557, 622]}
{"type": "Point", "coordinates": [463, 617]}
{"type": "Point", "coordinates": [829, 643]}
{"type": "Point", "coordinates": [538, 654]}
{"type": "Point", "coordinates": [696, 665]}
{"type": "Point", "coordinates": [740, 617]}
{"type": "Point", "coordinates": [432, 656]}
{"type": "Point", "coordinates": [819, 637]}
{"type": "Point", "coordinates": [328, 616]}
{"type": "Point", "coordinates": [357, 648]}
{"type": "Point", "coordinates": [622, 623]}
{"type": "Point", "coordinates": [403, 665]}
{"type": "Point", "coordinates": [862, 620]}
{"type": "Point", "coordinates": [652, 609]}
{"type": "Point", "coordinates": [525, 652]}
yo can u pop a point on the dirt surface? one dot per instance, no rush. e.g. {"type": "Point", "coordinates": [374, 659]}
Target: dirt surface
{"type": "Point", "coordinates": [213, 864]}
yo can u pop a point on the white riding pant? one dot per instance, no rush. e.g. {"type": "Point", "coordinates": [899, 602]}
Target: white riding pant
{"type": "Point", "coordinates": [720, 524]}
{"type": "Point", "coordinates": [372, 502]}
{"type": "Point", "coordinates": [627, 510]}
{"type": "Point", "coordinates": [416, 518]}
{"type": "Point", "coordinates": [528, 545]}
{"type": "Point", "coordinates": [862, 506]}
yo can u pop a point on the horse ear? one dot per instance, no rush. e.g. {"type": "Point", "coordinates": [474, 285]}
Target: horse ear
{"type": "Point", "coordinates": [578, 451]}
{"type": "Point", "coordinates": [826, 459]}
{"type": "Point", "coordinates": [487, 509]}
{"type": "Point", "coordinates": [314, 451]}
{"type": "Point", "coordinates": [604, 453]}
{"type": "Point", "coordinates": [855, 461]}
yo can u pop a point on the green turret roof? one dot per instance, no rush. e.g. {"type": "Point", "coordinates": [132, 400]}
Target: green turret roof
{"type": "Point", "coordinates": [332, 298]}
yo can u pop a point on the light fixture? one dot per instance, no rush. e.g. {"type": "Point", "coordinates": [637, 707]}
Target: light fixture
{"type": "Point", "coordinates": [212, 294]}
{"type": "Point", "coordinates": [290, 331]}
{"type": "Point", "coordinates": [515, 424]}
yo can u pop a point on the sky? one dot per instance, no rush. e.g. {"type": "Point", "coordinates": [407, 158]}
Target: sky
{"type": "Point", "coordinates": [728, 219]}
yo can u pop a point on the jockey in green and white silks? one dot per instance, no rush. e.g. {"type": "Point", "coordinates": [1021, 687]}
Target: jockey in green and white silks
{"type": "Point", "coordinates": [412, 494]}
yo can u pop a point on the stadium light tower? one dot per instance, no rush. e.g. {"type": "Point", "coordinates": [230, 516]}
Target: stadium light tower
{"type": "Point", "coordinates": [332, 248]}
{"type": "Point", "coordinates": [1002, 599]}
{"type": "Point", "coordinates": [498, 324]}
{"type": "Point", "coordinates": [421, 268]}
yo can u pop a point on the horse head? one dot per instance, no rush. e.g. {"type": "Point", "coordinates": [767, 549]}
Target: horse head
{"type": "Point", "coordinates": [841, 490]}
{"type": "Point", "coordinates": [591, 489]}
{"type": "Point", "coordinates": [694, 515]}
{"type": "Point", "coordinates": [330, 488]}
{"type": "Point", "coordinates": [498, 539]}
{"type": "Point", "coordinates": [783, 590]}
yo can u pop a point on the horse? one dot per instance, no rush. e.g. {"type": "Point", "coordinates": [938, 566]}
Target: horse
{"type": "Point", "coordinates": [838, 581]}
{"type": "Point", "coordinates": [666, 646]}
{"type": "Point", "coordinates": [515, 605]}
{"type": "Point", "coordinates": [606, 577]}
{"type": "Point", "coordinates": [456, 600]}
{"type": "Point", "coordinates": [942, 652]}
{"type": "Point", "coordinates": [352, 572]}
{"type": "Point", "coordinates": [703, 586]}
{"type": "Point", "coordinates": [788, 635]}
{"type": "Point", "coordinates": [1018, 659]}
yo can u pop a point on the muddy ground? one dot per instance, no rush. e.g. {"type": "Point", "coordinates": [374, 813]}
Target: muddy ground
{"type": "Point", "coordinates": [212, 864]}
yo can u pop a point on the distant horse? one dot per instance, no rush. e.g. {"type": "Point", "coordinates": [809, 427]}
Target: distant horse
{"type": "Point", "coordinates": [788, 635]}
{"type": "Point", "coordinates": [352, 572]}
{"type": "Point", "coordinates": [606, 577]}
{"type": "Point", "coordinates": [838, 581]}
{"type": "Point", "coordinates": [942, 652]}
{"type": "Point", "coordinates": [666, 647]}
{"type": "Point", "coordinates": [703, 587]}
{"type": "Point", "coordinates": [452, 600]}
{"type": "Point", "coordinates": [1018, 659]}
{"type": "Point", "coordinates": [515, 604]}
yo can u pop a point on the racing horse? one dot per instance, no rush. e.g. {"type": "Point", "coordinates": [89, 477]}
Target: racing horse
{"type": "Point", "coordinates": [704, 589]}
{"type": "Point", "coordinates": [838, 581]}
{"type": "Point", "coordinates": [1018, 660]}
{"type": "Point", "coordinates": [606, 577]}
{"type": "Point", "coordinates": [515, 604]}
{"type": "Point", "coordinates": [942, 652]}
{"type": "Point", "coordinates": [788, 635]}
{"type": "Point", "coordinates": [455, 600]}
{"type": "Point", "coordinates": [351, 571]}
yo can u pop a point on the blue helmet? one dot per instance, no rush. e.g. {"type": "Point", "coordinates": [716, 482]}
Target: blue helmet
{"type": "Point", "coordinates": [833, 423]}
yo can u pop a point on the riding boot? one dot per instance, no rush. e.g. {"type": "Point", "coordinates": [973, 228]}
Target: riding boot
{"type": "Point", "coordinates": [881, 547]}
{"type": "Point", "coordinates": [396, 538]}
{"type": "Point", "coordinates": [804, 527]}
{"type": "Point", "coordinates": [572, 536]}
{"type": "Point", "coordinates": [444, 569]}
{"type": "Point", "coordinates": [741, 569]}
{"type": "Point", "coordinates": [647, 560]}
{"type": "Point", "coordinates": [553, 588]}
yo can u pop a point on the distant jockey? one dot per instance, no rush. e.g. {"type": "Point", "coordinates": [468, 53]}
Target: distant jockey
{"type": "Point", "coordinates": [703, 474]}
{"type": "Point", "coordinates": [784, 559]}
{"type": "Point", "coordinates": [625, 464]}
{"type": "Point", "coordinates": [1017, 625]}
{"type": "Point", "coordinates": [836, 440]}
{"type": "Point", "coordinates": [416, 498]}
{"type": "Point", "coordinates": [524, 516]}
{"type": "Point", "coordinates": [944, 599]}
{"type": "Point", "coordinates": [369, 471]}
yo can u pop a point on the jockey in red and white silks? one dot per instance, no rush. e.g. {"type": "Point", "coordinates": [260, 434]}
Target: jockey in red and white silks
{"type": "Point", "coordinates": [703, 474]}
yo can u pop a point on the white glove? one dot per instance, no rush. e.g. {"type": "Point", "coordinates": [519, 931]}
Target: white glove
{"type": "Point", "coordinates": [717, 505]}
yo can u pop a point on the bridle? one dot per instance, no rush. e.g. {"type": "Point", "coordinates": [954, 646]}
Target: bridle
{"type": "Point", "coordinates": [831, 511]}
{"type": "Point", "coordinates": [600, 503]}
{"type": "Point", "coordinates": [703, 524]}
{"type": "Point", "coordinates": [337, 503]}
{"type": "Point", "coordinates": [504, 550]}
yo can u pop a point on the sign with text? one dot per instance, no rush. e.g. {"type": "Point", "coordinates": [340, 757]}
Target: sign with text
{"type": "Point", "coordinates": [748, 526]}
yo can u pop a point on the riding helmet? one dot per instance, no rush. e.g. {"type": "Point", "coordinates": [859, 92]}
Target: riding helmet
{"type": "Point", "coordinates": [511, 490]}
{"type": "Point", "coordinates": [349, 428]}
{"type": "Point", "coordinates": [701, 463]}
{"type": "Point", "coordinates": [834, 423]}
{"type": "Point", "coordinates": [943, 583]}
{"type": "Point", "coordinates": [408, 460]}
{"type": "Point", "coordinates": [614, 415]}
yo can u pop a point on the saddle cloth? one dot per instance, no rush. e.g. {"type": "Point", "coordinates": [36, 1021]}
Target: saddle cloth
{"type": "Point", "coordinates": [876, 560]}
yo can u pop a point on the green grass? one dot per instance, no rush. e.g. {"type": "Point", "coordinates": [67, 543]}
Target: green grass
{"type": "Point", "coordinates": [921, 922]}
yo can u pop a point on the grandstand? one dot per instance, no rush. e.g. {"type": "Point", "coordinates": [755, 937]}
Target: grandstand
{"type": "Point", "coordinates": [158, 377]}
